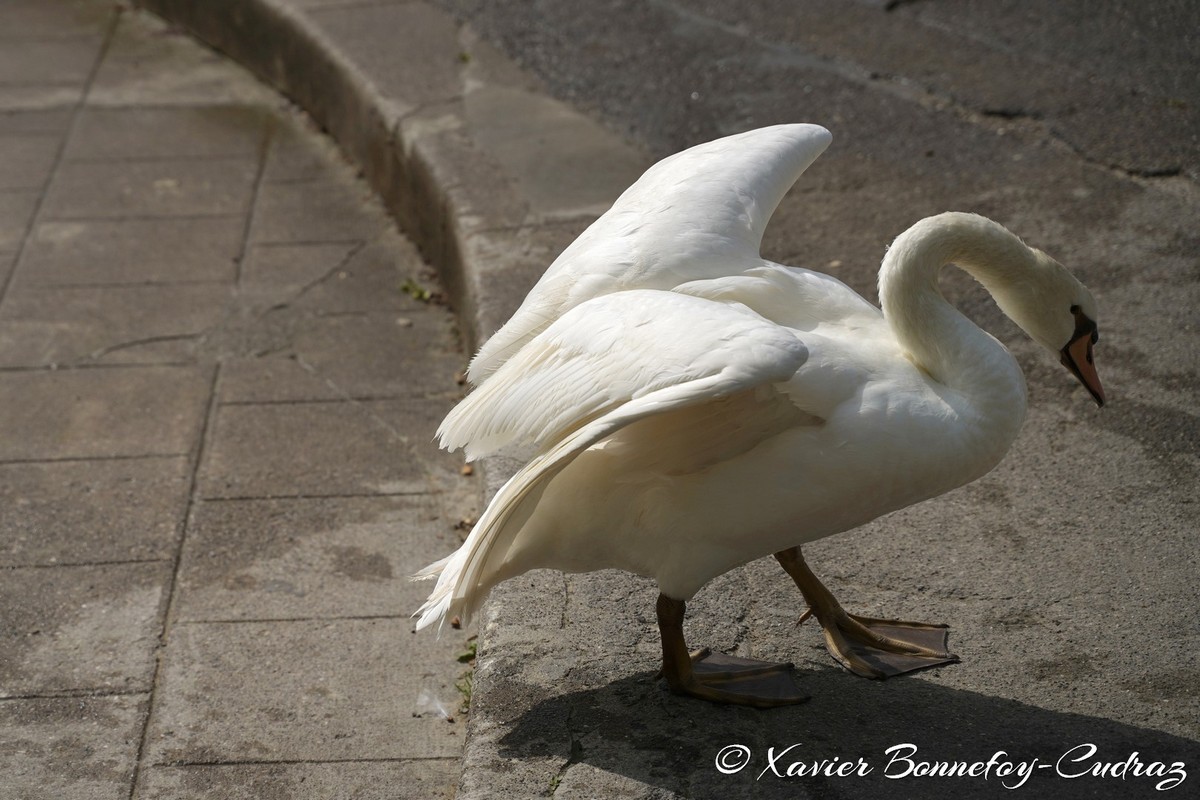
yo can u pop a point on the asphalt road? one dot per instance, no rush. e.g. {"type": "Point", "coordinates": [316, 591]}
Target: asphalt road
{"type": "Point", "coordinates": [1115, 81]}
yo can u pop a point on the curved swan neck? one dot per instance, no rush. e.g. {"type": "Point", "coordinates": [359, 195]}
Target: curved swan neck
{"type": "Point", "coordinates": [939, 339]}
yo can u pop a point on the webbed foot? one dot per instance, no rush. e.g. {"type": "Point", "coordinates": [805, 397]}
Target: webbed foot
{"type": "Point", "coordinates": [873, 648]}
{"type": "Point", "coordinates": [881, 648]}
{"type": "Point", "coordinates": [717, 677]}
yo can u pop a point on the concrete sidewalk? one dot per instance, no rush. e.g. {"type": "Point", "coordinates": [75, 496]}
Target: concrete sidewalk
{"type": "Point", "coordinates": [219, 377]}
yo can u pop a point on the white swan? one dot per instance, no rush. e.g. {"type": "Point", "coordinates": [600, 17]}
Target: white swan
{"type": "Point", "coordinates": [692, 427]}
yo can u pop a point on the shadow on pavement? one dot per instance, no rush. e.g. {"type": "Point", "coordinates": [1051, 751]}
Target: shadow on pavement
{"type": "Point", "coordinates": [634, 728]}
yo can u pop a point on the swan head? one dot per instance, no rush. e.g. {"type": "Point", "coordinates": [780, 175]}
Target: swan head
{"type": "Point", "coordinates": [1059, 313]}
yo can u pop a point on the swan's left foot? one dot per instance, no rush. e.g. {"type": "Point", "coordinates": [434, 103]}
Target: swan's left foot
{"type": "Point", "coordinates": [717, 677]}
{"type": "Point", "coordinates": [873, 648]}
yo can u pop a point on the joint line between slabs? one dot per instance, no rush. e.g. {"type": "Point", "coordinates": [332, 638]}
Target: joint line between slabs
{"type": "Point", "coordinates": [301, 761]}
{"type": "Point", "coordinates": [76, 694]}
{"type": "Point", "coordinates": [223, 157]}
{"type": "Point", "coordinates": [404, 615]}
{"type": "Point", "coordinates": [76, 564]}
{"type": "Point", "coordinates": [143, 217]}
{"type": "Point", "coordinates": [206, 431]}
{"type": "Point", "coordinates": [342, 397]}
{"type": "Point", "coordinates": [73, 123]}
{"type": "Point", "coordinates": [266, 138]}
{"type": "Point", "coordinates": [104, 365]}
{"type": "Point", "coordinates": [6, 462]}
{"type": "Point", "coordinates": [342, 496]}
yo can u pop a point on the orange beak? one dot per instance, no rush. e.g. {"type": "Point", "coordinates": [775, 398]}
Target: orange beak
{"type": "Point", "coordinates": [1077, 357]}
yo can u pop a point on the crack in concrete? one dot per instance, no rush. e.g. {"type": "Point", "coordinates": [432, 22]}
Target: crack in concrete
{"type": "Point", "coordinates": [96, 355]}
{"type": "Point", "coordinates": [564, 618]}
{"type": "Point", "coordinates": [892, 5]}
{"type": "Point", "coordinates": [332, 272]}
{"type": "Point", "coordinates": [573, 755]}
{"type": "Point", "coordinates": [347, 397]}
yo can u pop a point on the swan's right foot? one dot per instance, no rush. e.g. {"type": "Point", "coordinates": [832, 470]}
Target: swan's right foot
{"type": "Point", "coordinates": [881, 648]}
{"type": "Point", "coordinates": [717, 677]}
{"type": "Point", "coordinates": [873, 648]}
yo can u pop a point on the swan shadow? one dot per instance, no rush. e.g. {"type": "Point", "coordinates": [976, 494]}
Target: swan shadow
{"type": "Point", "coordinates": [652, 744]}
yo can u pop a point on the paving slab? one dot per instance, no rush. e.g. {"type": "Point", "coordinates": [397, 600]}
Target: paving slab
{"type": "Point", "coordinates": [16, 209]}
{"type": "Point", "coordinates": [101, 412]}
{"type": "Point", "coordinates": [320, 211]}
{"type": "Point", "coordinates": [128, 324]}
{"type": "Point", "coordinates": [324, 449]}
{"type": "Point", "coordinates": [76, 748]}
{"type": "Point", "coordinates": [81, 628]}
{"type": "Point", "coordinates": [432, 779]}
{"type": "Point", "coordinates": [118, 510]}
{"type": "Point", "coordinates": [26, 160]}
{"type": "Point", "coordinates": [204, 131]}
{"type": "Point", "coordinates": [39, 20]}
{"type": "Point", "coordinates": [370, 355]}
{"type": "Point", "coordinates": [7, 261]}
{"type": "Point", "coordinates": [239, 692]}
{"type": "Point", "coordinates": [132, 251]}
{"type": "Point", "coordinates": [38, 62]}
{"type": "Point", "coordinates": [300, 152]}
{"type": "Point", "coordinates": [967, 117]}
{"type": "Point", "coordinates": [275, 274]}
{"type": "Point", "coordinates": [51, 120]}
{"type": "Point", "coordinates": [135, 72]}
{"type": "Point", "coordinates": [382, 275]}
{"type": "Point", "coordinates": [310, 558]}
{"type": "Point", "coordinates": [26, 98]}
{"type": "Point", "coordinates": [158, 188]}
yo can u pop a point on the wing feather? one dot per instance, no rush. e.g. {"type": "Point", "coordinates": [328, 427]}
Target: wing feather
{"type": "Point", "coordinates": [698, 214]}
{"type": "Point", "coordinates": [665, 348]}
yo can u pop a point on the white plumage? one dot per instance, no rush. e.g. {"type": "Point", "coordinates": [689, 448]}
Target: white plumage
{"type": "Point", "coordinates": [695, 407]}
{"type": "Point", "coordinates": [697, 214]}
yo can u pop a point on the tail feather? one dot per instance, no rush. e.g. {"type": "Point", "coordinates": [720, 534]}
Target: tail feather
{"type": "Point", "coordinates": [466, 575]}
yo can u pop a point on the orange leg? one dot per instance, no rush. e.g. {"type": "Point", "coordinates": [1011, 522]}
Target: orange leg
{"type": "Point", "coordinates": [873, 648]}
{"type": "Point", "coordinates": [718, 677]}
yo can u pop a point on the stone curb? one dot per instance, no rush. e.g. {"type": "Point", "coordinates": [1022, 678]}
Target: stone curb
{"type": "Point", "coordinates": [481, 169]}
{"type": "Point", "coordinates": [489, 176]}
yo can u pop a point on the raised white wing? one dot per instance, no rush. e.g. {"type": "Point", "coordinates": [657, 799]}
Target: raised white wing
{"type": "Point", "coordinates": [698, 214]}
{"type": "Point", "coordinates": [616, 359]}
